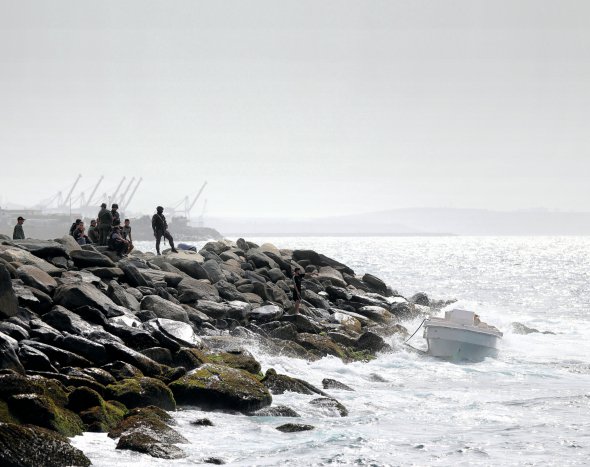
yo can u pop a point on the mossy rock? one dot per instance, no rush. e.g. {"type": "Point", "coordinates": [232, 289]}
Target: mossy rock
{"type": "Point", "coordinates": [141, 392]}
{"type": "Point", "coordinates": [190, 358]}
{"type": "Point", "coordinates": [321, 345]}
{"type": "Point", "coordinates": [150, 425]}
{"type": "Point", "coordinates": [102, 418]}
{"type": "Point", "coordinates": [240, 359]}
{"type": "Point", "coordinates": [83, 398]}
{"type": "Point", "coordinates": [5, 415]}
{"type": "Point", "coordinates": [13, 384]}
{"type": "Point", "coordinates": [278, 384]}
{"type": "Point", "coordinates": [40, 410]}
{"type": "Point", "coordinates": [221, 387]}
{"type": "Point", "coordinates": [153, 412]}
{"type": "Point", "coordinates": [22, 446]}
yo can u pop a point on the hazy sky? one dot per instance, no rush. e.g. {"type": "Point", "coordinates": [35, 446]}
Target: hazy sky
{"type": "Point", "coordinates": [299, 108]}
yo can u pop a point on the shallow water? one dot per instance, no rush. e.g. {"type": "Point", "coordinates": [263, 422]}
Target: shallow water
{"type": "Point", "coordinates": [530, 406]}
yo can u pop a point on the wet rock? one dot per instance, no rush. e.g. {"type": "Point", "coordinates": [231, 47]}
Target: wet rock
{"type": "Point", "coordinates": [164, 309]}
{"type": "Point", "coordinates": [122, 370]}
{"type": "Point", "coordinates": [34, 360]}
{"type": "Point", "coordinates": [101, 376]}
{"type": "Point", "coordinates": [103, 417]}
{"type": "Point", "coordinates": [286, 331]}
{"type": "Point", "coordinates": [181, 332]}
{"type": "Point", "coordinates": [276, 411]}
{"type": "Point", "coordinates": [303, 323]}
{"type": "Point", "coordinates": [333, 384]}
{"type": "Point", "coordinates": [8, 354]}
{"type": "Point", "coordinates": [78, 277]}
{"type": "Point", "coordinates": [58, 356]}
{"type": "Point", "coordinates": [371, 342]}
{"type": "Point", "coordinates": [202, 422]}
{"type": "Point", "coordinates": [35, 277]}
{"type": "Point", "coordinates": [13, 330]}
{"type": "Point", "coordinates": [8, 299]}
{"type": "Point", "coordinates": [141, 392]}
{"type": "Point", "coordinates": [264, 313]}
{"type": "Point", "coordinates": [375, 313]}
{"type": "Point", "coordinates": [420, 299]}
{"type": "Point", "coordinates": [322, 345]}
{"type": "Point", "coordinates": [147, 366]}
{"type": "Point", "coordinates": [133, 337]}
{"type": "Point", "coordinates": [330, 406]}
{"type": "Point", "coordinates": [219, 387]}
{"type": "Point", "coordinates": [22, 446]}
{"type": "Point", "coordinates": [279, 384]}
{"type": "Point", "coordinates": [240, 359]}
{"type": "Point", "coordinates": [159, 354]}
{"type": "Point", "coordinates": [295, 427]}
{"type": "Point", "coordinates": [43, 332]}
{"type": "Point", "coordinates": [349, 323]}
{"type": "Point", "coordinates": [64, 320]}
{"type": "Point", "coordinates": [376, 284]}
{"type": "Point", "coordinates": [146, 444]}
{"type": "Point", "coordinates": [519, 328]}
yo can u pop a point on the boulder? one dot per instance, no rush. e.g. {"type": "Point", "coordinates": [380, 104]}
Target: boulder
{"type": "Point", "coordinates": [86, 348]}
{"type": "Point", "coordinates": [133, 277]}
{"type": "Point", "coordinates": [76, 295]}
{"type": "Point", "coordinates": [41, 248]}
{"type": "Point", "coordinates": [8, 354]}
{"type": "Point", "coordinates": [179, 331]}
{"type": "Point", "coordinates": [229, 291]}
{"type": "Point", "coordinates": [321, 345]}
{"type": "Point", "coordinates": [18, 255]}
{"type": "Point", "coordinates": [213, 270]}
{"type": "Point", "coordinates": [147, 366]}
{"type": "Point", "coordinates": [170, 278]}
{"type": "Point", "coordinates": [121, 370]}
{"type": "Point", "coordinates": [58, 356]}
{"type": "Point", "coordinates": [375, 313]}
{"type": "Point", "coordinates": [188, 263]}
{"type": "Point", "coordinates": [25, 446]}
{"type": "Point", "coordinates": [279, 384]}
{"type": "Point", "coordinates": [78, 277]}
{"type": "Point", "coordinates": [146, 444]}
{"type": "Point", "coordinates": [295, 427]}
{"type": "Point", "coordinates": [65, 321]}
{"type": "Point", "coordinates": [164, 309]}
{"type": "Point", "coordinates": [240, 359]}
{"type": "Point", "coordinates": [68, 243]}
{"type": "Point", "coordinates": [316, 300]}
{"type": "Point", "coordinates": [332, 275]}
{"type": "Point", "coordinates": [220, 387]}
{"type": "Point", "coordinates": [34, 360]}
{"type": "Point", "coordinates": [191, 290]}
{"type": "Point", "coordinates": [16, 331]}
{"type": "Point", "coordinates": [142, 392]}
{"type": "Point", "coordinates": [303, 323]}
{"type": "Point", "coordinates": [371, 342]}
{"type": "Point", "coordinates": [122, 297]}
{"type": "Point", "coordinates": [259, 259]}
{"type": "Point", "coordinates": [376, 284]}
{"type": "Point", "coordinates": [264, 313]}
{"type": "Point", "coordinates": [88, 259]}
{"type": "Point", "coordinates": [333, 384]}
{"type": "Point", "coordinates": [276, 411]}
{"type": "Point", "coordinates": [8, 299]}
{"type": "Point", "coordinates": [35, 277]}
{"type": "Point", "coordinates": [106, 273]}
{"type": "Point", "coordinates": [329, 406]}
{"type": "Point", "coordinates": [349, 323]}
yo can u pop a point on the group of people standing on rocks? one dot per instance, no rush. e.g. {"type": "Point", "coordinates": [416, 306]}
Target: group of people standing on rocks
{"type": "Point", "coordinates": [106, 230]}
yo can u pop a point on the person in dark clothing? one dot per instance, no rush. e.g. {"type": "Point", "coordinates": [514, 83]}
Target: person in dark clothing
{"type": "Point", "coordinates": [74, 226]}
{"type": "Point", "coordinates": [115, 213]}
{"type": "Point", "coordinates": [126, 232]}
{"type": "Point", "coordinates": [93, 232]}
{"type": "Point", "coordinates": [116, 241]}
{"type": "Point", "coordinates": [297, 278]}
{"type": "Point", "coordinates": [19, 233]}
{"type": "Point", "coordinates": [160, 227]}
{"type": "Point", "coordinates": [80, 236]}
{"type": "Point", "coordinates": [105, 223]}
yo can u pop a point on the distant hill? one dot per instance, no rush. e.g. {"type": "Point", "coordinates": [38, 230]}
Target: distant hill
{"type": "Point", "coordinates": [417, 221]}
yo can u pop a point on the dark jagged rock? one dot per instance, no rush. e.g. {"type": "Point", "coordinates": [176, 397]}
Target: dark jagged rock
{"type": "Point", "coordinates": [8, 354]}
{"type": "Point", "coordinates": [116, 351]}
{"type": "Point", "coordinates": [420, 299]}
{"type": "Point", "coordinates": [34, 360]}
{"type": "Point", "coordinates": [135, 338]}
{"type": "Point", "coordinates": [302, 323]}
{"type": "Point", "coordinates": [265, 313]}
{"type": "Point", "coordinates": [142, 392]}
{"type": "Point", "coordinates": [43, 332]}
{"type": "Point", "coordinates": [37, 278]}
{"type": "Point", "coordinates": [323, 345]}
{"type": "Point", "coordinates": [8, 299]}
{"type": "Point", "coordinates": [376, 284]}
{"type": "Point", "coordinates": [101, 376]}
{"type": "Point", "coordinates": [42, 248]}
{"type": "Point", "coordinates": [87, 259]}
{"type": "Point", "coordinates": [122, 297]}
{"type": "Point", "coordinates": [279, 384]}
{"type": "Point", "coordinates": [164, 309]}
{"type": "Point", "coordinates": [375, 313]}
{"type": "Point", "coordinates": [190, 358]}
{"type": "Point", "coordinates": [22, 446]}
{"type": "Point", "coordinates": [77, 295]}
{"type": "Point", "coordinates": [333, 384]}
{"type": "Point", "coordinates": [122, 370]}
{"type": "Point", "coordinates": [83, 398]}
{"type": "Point", "coordinates": [295, 427]}
{"type": "Point", "coordinates": [146, 444]}
{"type": "Point", "coordinates": [159, 354]}
{"type": "Point", "coordinates": [133, 276]}
{"type": "Point", "coordinates": [330, 406]}
{"type": "Point", "coordinates": [371, 342]}
{"type": "Point", "coordinates": [219, 387]}
{"type": "Point", "coordinates": [16, 331]}
{"type": "Point", "coordinates": [57, 355]}
{"type": "Point", "coordinates": [31, 298]}
{"type": "Point", "coordinates": [106, 272]}
{"type": "Point", "coordinates": [191, 290]}
{"type": "Point", "coordinates": [179, 331]}
{"type": "Point", "coordinates": [202, 422]}
{"type": "Point", "coordinates": [64, 320]}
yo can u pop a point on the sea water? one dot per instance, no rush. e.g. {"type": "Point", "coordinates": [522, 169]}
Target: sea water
{"type": "Point", "coordinates": [530, 406]}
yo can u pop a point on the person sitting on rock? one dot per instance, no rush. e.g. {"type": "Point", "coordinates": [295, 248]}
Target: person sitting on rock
{"type": "Point", "coordinates": [80, 236]}
{"type": "Point", "coordinates": [93, 232]}
{"type": "Point", "coordinates": [116, 241]}
{"type": "Point", "coordinates": [160, 227]}
{"type": "Point", "coordinates": [126, 232]}
{"type": "Point", "coordinates": [19, 233]}
{"type": "Point", "coordinates": [74, 226]}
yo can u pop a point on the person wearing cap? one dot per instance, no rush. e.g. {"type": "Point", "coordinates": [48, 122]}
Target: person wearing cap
{"type": "Point", "coordinates": [115, 213]}
{"type": "Point", "coordinates": [105, 222]}
{"type": "Point", "coordinates": [19, 233]}
{"type": "Point", "coordinates": [160, 227]}
{"type": "Point", "coordinates": [116, 241]}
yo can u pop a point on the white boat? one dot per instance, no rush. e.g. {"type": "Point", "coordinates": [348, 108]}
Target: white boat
{"type": "Point", "coordinates": [461, 335]}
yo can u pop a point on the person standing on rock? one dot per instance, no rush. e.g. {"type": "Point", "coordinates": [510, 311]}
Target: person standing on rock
{"type": "Point", "coordinates": [160, 227]}
{"type": "Point", "coordinates": [19, 233]}
{"type": "Point", "coordinates": [93, 232]}
{"type": "Point", "coordinates": [297, 278]}
{"type": "Point", "coordinates": [105, 222]}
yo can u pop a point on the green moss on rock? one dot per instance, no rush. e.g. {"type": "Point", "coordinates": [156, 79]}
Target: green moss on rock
{"type": "Point", "coordinates": [102, 418]}
{"type": "Point", "coordinates": [221, 387]}
{"type": "Point", "coordinates": [141, 392]}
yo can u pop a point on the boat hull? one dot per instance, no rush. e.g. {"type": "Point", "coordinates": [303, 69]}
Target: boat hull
{"type": "Point", "coordinates": [460, 343]}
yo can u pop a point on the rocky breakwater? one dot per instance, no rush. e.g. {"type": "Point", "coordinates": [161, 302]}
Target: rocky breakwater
{"type": "Point", "coordinates": [92, 342]}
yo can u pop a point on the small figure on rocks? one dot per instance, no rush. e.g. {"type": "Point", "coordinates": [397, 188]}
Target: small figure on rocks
{"type": "Point", "coordinates": [297, 278]}
{"type": "Point", "coordinates": [160, 227]}
{"type": "Point", "coordinates": [105, 222]}
{"type": "Point", "coordinates": [19, 233]}
{"type": "Point", "coordinates": [115, 213]}
{"type": "Point", "coordinates": [93, 232]}
{"type": "Point", "coordinates": [74, 226]}
{"type": "Point", "coordinates": [80, 236]}
{"type": "Point", "coordinates": [126, 232]}
{"type": "Point", "coordinates": [116, 241]}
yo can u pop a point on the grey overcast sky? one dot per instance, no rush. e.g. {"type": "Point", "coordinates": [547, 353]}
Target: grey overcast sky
{"type": "Point", "coordinates": [299, 108]}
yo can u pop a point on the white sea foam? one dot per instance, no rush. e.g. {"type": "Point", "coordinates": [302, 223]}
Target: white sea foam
{"type": "Point", "coordinates": [528, 407]}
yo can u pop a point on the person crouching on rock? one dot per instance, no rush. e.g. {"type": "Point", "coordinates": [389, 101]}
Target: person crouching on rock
{"type": "Point", "coordinates": [80, 236]}
{"type": "Point", "coordinates": [160, 227]}
{"type": "Point", "coordinates": [116, 241]}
